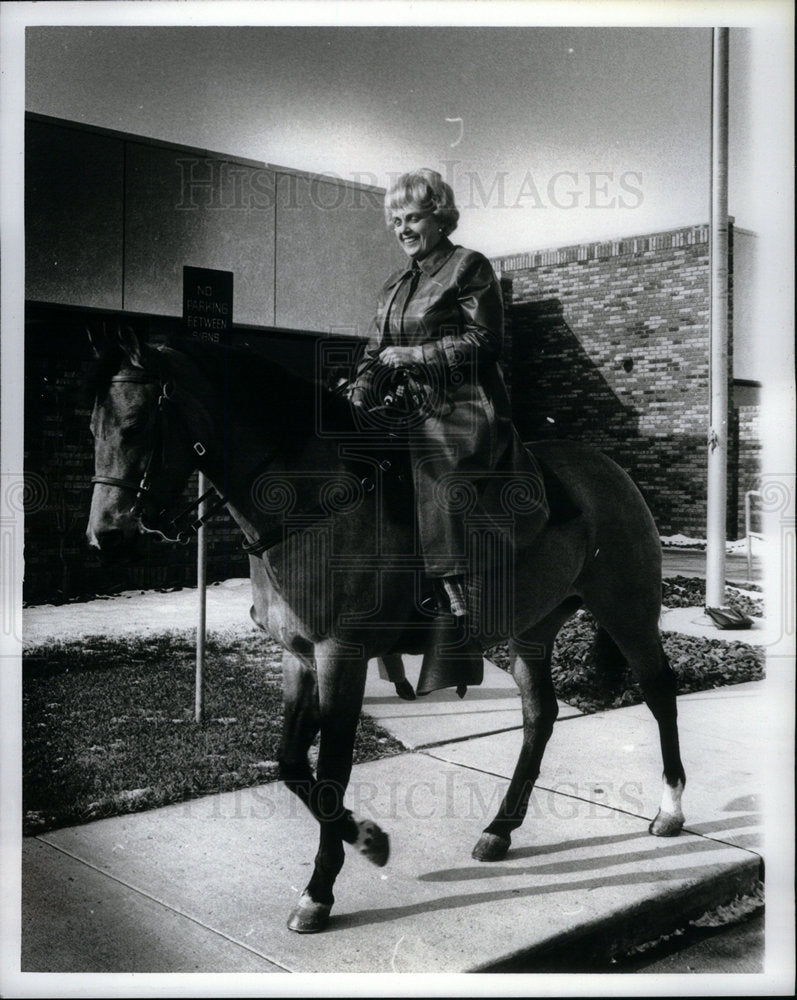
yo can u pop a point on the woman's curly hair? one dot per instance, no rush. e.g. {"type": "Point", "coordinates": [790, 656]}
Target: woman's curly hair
{"type": "Point", "coordinates": [424, 187]}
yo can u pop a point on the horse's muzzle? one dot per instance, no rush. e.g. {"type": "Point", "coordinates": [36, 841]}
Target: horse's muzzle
{"type": "Point", "coordinates": [113, 534]}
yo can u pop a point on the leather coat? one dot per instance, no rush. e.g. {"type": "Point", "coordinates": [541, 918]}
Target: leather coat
{"type": "Point", "coordinates": [469, 466]}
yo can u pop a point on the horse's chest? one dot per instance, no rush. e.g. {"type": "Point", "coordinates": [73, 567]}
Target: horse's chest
{"type": "Point", "coordinates": [272, 611]}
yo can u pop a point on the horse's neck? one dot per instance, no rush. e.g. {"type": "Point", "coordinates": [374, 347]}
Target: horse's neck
{"type": "Point", "coordinates": [254, 470]}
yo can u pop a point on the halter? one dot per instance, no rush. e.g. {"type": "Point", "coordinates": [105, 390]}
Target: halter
{"type": "Point", "coordinates": [144, 489]}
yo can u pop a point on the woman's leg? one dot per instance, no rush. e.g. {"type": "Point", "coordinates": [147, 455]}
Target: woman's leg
{"type": "Point", "coordinates": [391, 668]}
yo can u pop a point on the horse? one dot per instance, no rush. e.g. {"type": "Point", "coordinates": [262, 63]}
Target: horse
{"type": "Point", "coordinates": [328, 522]}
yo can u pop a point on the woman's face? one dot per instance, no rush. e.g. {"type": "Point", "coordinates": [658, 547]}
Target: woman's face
{"type": "Point", "coordinates": [417, 230]}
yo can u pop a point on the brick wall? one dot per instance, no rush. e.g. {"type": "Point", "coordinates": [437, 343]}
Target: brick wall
{"type": "Point", "coordinates": [610, 346]}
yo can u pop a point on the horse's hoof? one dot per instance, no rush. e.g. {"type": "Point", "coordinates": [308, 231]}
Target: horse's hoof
{"type": "Point", "coordinates": [490, 847]}
{"type": "Point", "coordinates": [666, 825]}
{"type": "Point", "coordinates": [309, 917]}
{"type": "Point", "coordinates": [373, 843]}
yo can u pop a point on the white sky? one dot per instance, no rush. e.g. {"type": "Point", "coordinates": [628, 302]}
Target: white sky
{"type": "Point", "coordinates": [625, 112]}
{"type": "Point", "coordinates": [626, 93]}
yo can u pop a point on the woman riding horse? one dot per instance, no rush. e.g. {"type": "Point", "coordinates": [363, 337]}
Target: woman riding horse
{"type": "Point", "coordinates": [442, 318]}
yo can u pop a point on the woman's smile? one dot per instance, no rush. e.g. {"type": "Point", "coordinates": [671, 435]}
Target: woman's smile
{"type": "Point", "coordinates": [417, 231]}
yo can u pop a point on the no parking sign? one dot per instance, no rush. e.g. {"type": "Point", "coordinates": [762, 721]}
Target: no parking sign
{"type": "Point", "coordinates": [207, 303]}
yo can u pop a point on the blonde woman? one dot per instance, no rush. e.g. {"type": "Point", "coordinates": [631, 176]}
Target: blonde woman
{"type": "Point", "coordinates": [442, 316]}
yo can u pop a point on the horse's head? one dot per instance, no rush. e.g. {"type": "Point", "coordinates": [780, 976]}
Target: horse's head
{"type": "Point", "coordinates": [143, 454]}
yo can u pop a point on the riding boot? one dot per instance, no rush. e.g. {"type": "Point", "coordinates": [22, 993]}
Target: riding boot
{"type": "Point", "coordinates": [452, 658]}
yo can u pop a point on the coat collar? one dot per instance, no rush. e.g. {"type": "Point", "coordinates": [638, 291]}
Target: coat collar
{"type": "Point", "coordinates": [434, 260]}
{"type": "Point", "coordinates": [430, 264]}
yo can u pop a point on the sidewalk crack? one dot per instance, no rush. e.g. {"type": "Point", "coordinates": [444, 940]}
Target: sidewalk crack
{"type": "Point", "coordinates": [167, 906]}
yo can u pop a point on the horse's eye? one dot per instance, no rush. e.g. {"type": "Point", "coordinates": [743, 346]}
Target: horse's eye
{"type": "Point", "coordinates": [134, 429]}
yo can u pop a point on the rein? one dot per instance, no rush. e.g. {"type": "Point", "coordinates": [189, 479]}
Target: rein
{"type": "Point", "coordinates": [144, 489]}
{"type": "Point", "coordinates": [405, 395]}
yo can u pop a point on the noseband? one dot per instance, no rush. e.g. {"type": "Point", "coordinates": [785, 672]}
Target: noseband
{"type": "Point", "coordinates": [143, 490]}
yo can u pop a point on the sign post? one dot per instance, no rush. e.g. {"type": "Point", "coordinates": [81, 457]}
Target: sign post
{"type": "Point", "coordinates": [207, 315]}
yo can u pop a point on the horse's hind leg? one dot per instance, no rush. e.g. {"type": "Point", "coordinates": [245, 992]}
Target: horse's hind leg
{"type": "Point", "coordinates": [659, 688]}
{"type": "Point", "coordinates": [531, 668]}
{"type": "Point", "coordinates": [341, 683]}
{"type": "Point", "coordinates": [642, 648]}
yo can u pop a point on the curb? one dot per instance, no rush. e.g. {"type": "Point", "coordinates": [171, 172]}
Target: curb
{"type": "Point", "coordinates": [598, 942]}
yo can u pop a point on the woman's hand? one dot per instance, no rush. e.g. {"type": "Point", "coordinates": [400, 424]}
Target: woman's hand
{"type": "Point", "coordinates": [401, 357]}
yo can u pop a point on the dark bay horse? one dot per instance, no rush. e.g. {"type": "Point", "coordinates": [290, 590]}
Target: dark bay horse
{"type": "Point", "coordinates": [327, 520]}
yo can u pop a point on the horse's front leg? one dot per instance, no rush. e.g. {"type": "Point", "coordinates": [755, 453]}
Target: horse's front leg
{"type": "Point", "coordinates": [341, 683]}
{"type": "Point", "coordinates": [300, 725]}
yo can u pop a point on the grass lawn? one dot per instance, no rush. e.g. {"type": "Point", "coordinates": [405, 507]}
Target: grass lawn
{"type": "Point", "coordinates": [108, 723]}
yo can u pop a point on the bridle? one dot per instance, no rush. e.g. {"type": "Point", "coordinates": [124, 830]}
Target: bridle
{"type": "Point", "coordinates": [144, 490]}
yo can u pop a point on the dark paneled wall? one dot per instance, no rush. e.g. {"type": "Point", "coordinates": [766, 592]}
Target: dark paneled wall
{"type": "Point", "coordinates": [74, 207]}
{"type": "Point", "coordinates": [333, 254]}
{"type": "Point", "coordinates": [200, 211]}
{"type": "Point", "coordinates": [111, 220]}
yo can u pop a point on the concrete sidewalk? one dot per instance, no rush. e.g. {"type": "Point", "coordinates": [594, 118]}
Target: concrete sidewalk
{"type": "Point", "coordinates": [207, 885]}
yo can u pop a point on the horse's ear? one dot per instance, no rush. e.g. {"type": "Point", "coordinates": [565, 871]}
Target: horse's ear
{"type": "Point", "coordinates": [101, 343]}
{"type": "Point", "coordinates": [131, 346]}
{"type": "Point", "coordinates": [121, 342]}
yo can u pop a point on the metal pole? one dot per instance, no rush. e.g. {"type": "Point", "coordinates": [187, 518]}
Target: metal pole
{"type": "Point", "coordinates": [718, 328]}
{"type": "Point", "coordinates": [748, 528]}
{"type": "Point", "coordinates": [201, 563]}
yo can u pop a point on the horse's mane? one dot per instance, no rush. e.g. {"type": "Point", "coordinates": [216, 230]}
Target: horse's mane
{"type": "Point", "coordinates": [279, 395]}
{"type": "Point", "coordinates": [241, 375]}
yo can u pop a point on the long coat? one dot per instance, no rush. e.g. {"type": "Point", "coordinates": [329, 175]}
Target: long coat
{"type": "Point", "coordinates": [468, 462]}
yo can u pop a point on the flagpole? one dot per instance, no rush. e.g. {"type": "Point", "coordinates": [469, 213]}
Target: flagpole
{"type": "Point", "coordinates": [717, 481]}
{"type": "Point", "coordinates": [201, 628]}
